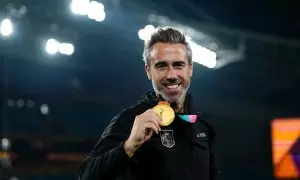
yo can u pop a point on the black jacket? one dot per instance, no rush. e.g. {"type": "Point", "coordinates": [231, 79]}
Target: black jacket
{"type": "Point", "coordinates": [183, 153]}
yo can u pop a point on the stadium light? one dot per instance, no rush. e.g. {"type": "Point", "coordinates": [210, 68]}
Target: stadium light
{"type": "Point", "coordinates": [203, 56]}
{"type": "Point", "coordinates": [6, 27]}
{"type": "Point", "coordinates": [145, 34]}
{"type": "Point", "coordinates": [96, 11]}
{"type": "Point", "coordinates": [80, 7]}
{"type": "Point", "coordinates": [66, 48]}
{"type": "Point", "coordinates": [53, 47]}
{"type": "Point", "coordinates": [44, 109]}
{"type": "Point", "coordinates": [93, 9]}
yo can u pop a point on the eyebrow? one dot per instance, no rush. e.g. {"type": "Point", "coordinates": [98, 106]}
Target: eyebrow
{"type": "Point", "coordinates": [160, 63]}
{"type": "Point", "coordinates": [178, 62]}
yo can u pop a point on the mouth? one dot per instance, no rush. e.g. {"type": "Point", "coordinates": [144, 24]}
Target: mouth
{"type": "Point", "coordinates": [172, 87]}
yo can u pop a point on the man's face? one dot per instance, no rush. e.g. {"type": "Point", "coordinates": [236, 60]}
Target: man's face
{"type": "Point", "coordinates": [169, 71]}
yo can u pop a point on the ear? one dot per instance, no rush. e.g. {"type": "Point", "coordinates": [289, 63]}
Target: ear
{"type": "Point", "coordinates": [147, 69]}
{"type": "Point", "coordinates": [190, 70]}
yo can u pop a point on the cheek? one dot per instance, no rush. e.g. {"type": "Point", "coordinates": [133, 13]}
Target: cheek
{"type": "Point", "coordinates": [157, 76]}
{"type": "Point", "coordinates": [157, 79]}
{"type": "Point", "coordinates": [185, 76]}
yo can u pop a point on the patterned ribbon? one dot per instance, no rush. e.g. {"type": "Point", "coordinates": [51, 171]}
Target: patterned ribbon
{"type": "Point", "coordinates": [189, 118]}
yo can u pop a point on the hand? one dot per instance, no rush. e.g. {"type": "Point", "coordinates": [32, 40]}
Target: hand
{"type": "Point", "coordinates": [142, 130]}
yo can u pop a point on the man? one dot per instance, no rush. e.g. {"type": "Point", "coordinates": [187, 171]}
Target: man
{"type": "Point", "coordinates": [136, 145]}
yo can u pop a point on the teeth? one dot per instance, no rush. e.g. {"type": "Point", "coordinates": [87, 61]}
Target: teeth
{"type": "Point", "coordinates": [173, 86]}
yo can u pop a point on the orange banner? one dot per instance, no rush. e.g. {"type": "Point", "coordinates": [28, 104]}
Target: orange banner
{"type": "Point", "coordinates": [285, 147]}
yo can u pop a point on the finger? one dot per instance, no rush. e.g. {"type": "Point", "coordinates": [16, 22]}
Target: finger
{"type": "Point", "coordinates": [148, 132]}
{"type": "Point", "coordinates": [151, 125]}
{"type": "Point", "coordinates": [156, 121]}
{"type": "Point", "coordinates": [157, 117]}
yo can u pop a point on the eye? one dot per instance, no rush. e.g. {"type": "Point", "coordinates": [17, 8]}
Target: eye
{"type": "Point", "coordinates": [179, 65]}
{"type": "Point", "coordinates": [160, 66]}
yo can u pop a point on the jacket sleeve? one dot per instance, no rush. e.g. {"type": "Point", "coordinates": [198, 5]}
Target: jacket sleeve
{"type": "Point", "coordinates": [214, 166]}
{"type": "Point", "coordinates": [108, 158]}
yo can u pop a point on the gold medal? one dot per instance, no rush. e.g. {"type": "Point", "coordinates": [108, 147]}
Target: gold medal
{"type": "Point", "coordinates": [164, 110]}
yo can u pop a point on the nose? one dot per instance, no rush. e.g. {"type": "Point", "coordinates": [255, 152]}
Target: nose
{"type": "Point", "coordinates": [171, 74]}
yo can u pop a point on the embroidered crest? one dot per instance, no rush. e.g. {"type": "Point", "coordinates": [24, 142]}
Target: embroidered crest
{"type": "Point", "coordinates": [167, 138]}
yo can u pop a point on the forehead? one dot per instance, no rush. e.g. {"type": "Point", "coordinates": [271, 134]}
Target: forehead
{"type": "Point", "coordinates": [166, 51]}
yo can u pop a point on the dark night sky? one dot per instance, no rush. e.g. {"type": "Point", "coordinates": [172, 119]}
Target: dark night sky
{"type": "Point", "coordinates": [268, 16]}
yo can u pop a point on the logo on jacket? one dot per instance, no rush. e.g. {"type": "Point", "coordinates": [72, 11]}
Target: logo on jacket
{"type": "Point", "coordinates": [167, 138]}
{"type": "Point", "coordinates": [201, 135]}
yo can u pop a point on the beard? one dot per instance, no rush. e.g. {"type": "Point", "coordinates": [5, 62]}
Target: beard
{"type": "Point", "coordinates": [174, 99]}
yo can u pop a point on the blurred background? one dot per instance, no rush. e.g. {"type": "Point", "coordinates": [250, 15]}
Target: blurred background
{"type": "Point", "coordinates": [68, 66]}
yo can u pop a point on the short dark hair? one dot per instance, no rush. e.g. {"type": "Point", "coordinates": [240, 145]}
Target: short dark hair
{"type": "Point", "coordinates": [166, 35]}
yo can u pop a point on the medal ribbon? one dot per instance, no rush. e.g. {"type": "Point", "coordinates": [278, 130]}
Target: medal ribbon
{"type": "Point", "coordinates": [189, 118]}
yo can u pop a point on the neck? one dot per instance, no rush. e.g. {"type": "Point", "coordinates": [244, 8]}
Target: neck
{"type": "Point", "coordinates": [179, 108]}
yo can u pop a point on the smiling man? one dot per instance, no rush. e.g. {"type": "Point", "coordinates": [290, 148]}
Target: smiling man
{"type": "Point", "coordinates": [137, 145]}
{"type": "Point", "coordinates": [169, 67]}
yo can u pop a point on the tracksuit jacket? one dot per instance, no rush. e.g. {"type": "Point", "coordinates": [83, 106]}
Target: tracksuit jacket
{"type": "Point", "coordinates": [182, 151]}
